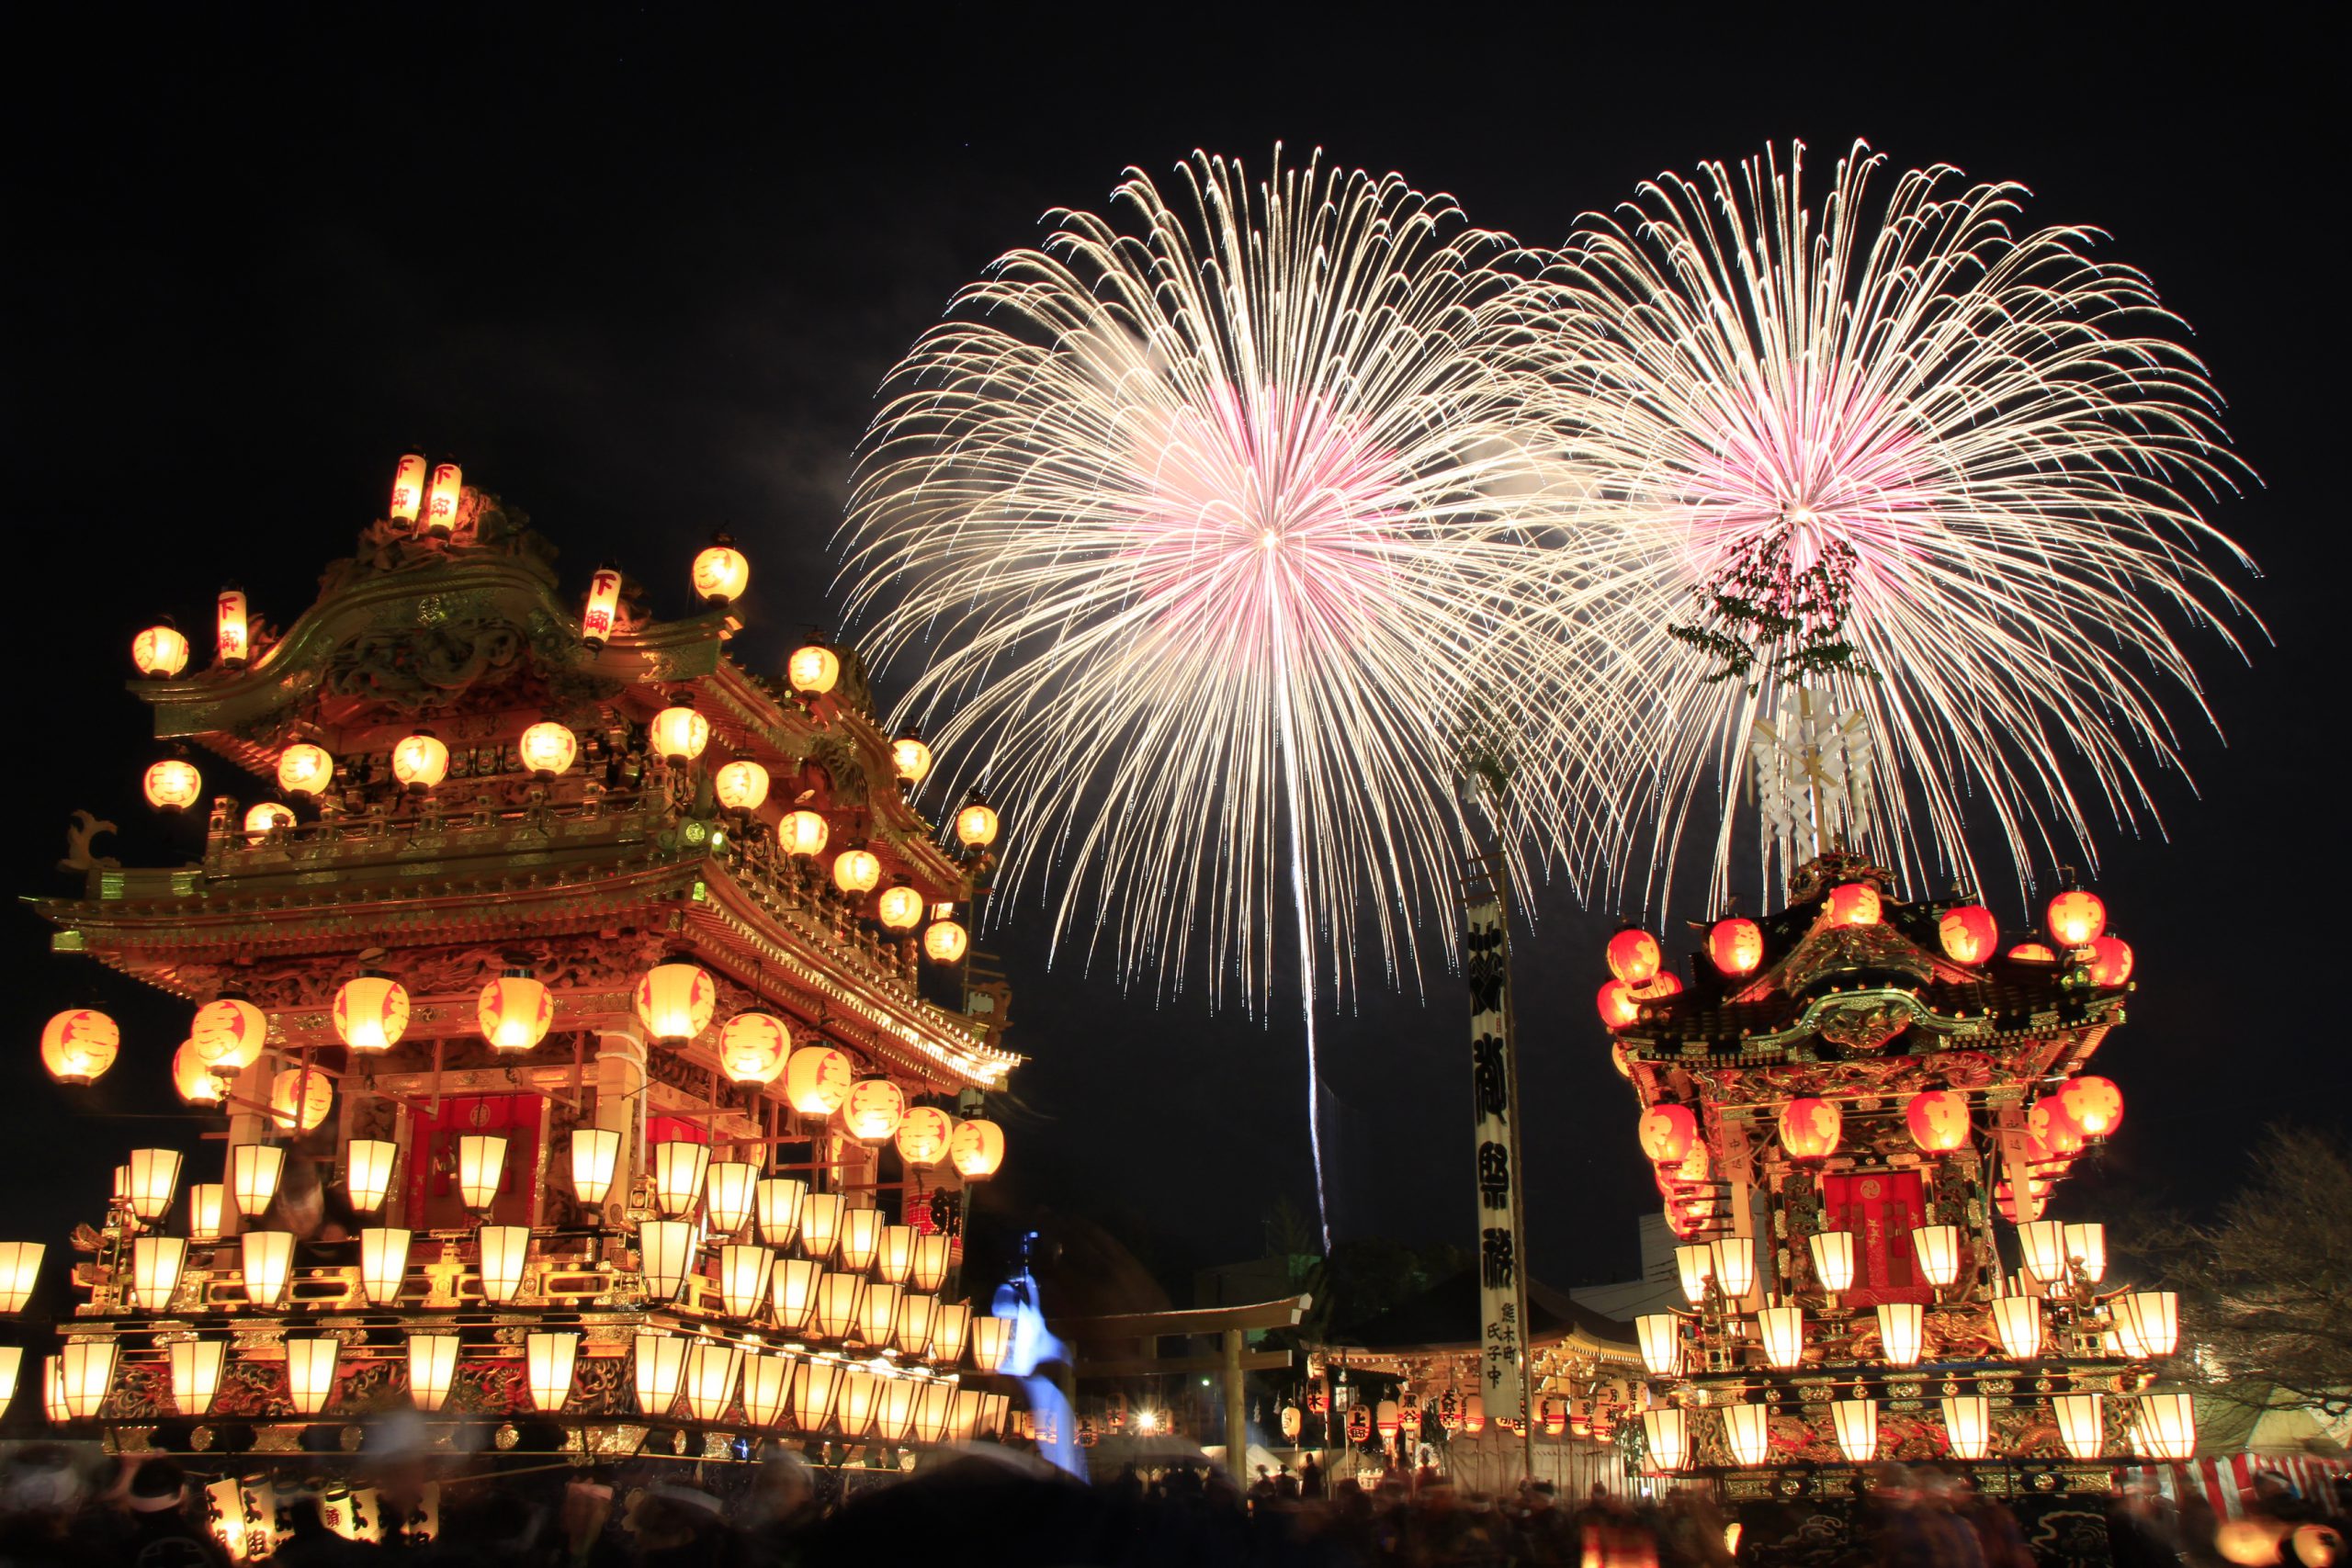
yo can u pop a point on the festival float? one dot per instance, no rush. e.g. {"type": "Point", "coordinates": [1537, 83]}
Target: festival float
{"type": "Point", "coordinates": [586, 1023]}
{"type": "Point", "coordinates": [1861, 1110]}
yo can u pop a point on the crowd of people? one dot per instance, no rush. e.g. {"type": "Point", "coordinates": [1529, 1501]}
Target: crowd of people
{"type": "Point", "coordinates": [990, 1506]}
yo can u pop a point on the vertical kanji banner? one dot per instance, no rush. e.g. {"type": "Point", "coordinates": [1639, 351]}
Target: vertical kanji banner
{"type": "Point", "coordinates": [1494, 1090]}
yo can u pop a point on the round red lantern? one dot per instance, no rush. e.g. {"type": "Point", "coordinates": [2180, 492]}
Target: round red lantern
{"type": "Point", "coordinates": [2076, 918]}
{"type": "Point", "coordinates": [2094, 1104]}
{"type": "Point", "coordinates": [1938, 1119]}
{"type": "Point", "coordinates": [2110, 962]}
{"type": "Point", "coordinates": [2032, 952]}
{"type": "Point", "coordinates": [1666, 1132]}
{"type": "Point", "coordinates": [2049, 1124]}
{"type": "Point", "coordinates": [1665, 983]}
{"type": "Point", "coordinates": [1853, 904]}
{"type": "Point", "coordinates": [1618, 1008]}
{"type": "Point", "coordinates": [1969, 933]}
{"type": "Point", "coordinates": [1809, 1128]}
{"type": "Point", "coordinates": [1736, 945]}
{"type": "Point", "coordinates": [1633, 955]}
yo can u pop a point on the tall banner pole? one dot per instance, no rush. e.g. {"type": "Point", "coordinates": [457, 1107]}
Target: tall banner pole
{"type": "Point", "coordinates": [1494, 1085]}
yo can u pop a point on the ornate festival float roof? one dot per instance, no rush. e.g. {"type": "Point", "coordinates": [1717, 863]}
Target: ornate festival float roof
{"type": "Point", "coordinates": [1855, 1106]}
{"type": "Point", "coordinates": [563, 1005]}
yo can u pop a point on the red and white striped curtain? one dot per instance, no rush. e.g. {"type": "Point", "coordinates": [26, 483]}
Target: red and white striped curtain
{"type": "Point", "coordinates": [2226, 1481]}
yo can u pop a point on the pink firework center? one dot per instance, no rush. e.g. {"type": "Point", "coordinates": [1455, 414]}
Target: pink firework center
{"type": "Point", "coordinates": [1825, 464]}
{"type": "Point", "coordinates": [1263, 519]}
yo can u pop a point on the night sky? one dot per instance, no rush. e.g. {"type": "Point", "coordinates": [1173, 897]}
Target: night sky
{"type": "Point", "coordinates": [642, 278]}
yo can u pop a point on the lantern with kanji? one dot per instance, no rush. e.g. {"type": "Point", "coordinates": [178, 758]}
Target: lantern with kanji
{"type": "Point", "coordinates": [2048, 1124]}
{"type": "Point", "coordinates": [1809, 1128]}
{"type": "Point", "coordinates": [2094, 1104]}
{"type": "Point", "coordinates": [1359, 1423]}
{"type": "Point", "coordinates": [1736, 945]}
{"type": "Point", "coordinates": [721, 573]}
{"type": "Point", "coordinates": [752, 1046]}
{"type": "Point", "coordinates": [2075, 918]}
{"type": "Point", "coordinates": [299, 1097]}
{"type": "Point", "coordinates": [160, 652]}
{"type": "Point", "coordinates": [600, 615]}
{"type": "Point", "coordinates": [371, 1011]}
{"type": "Point", "coordinates": [2111, 963]}
{"type": "Point", "coordinates": [816, 1079]}
{"type": "Point", "coordinates": [977, 1148]}
{"type": "Point", "coordinates": [1854, 904]}
{"type": "Point", "coordinates": [1666, 1132]}
{"type": "Point", "coordinates": [305, 769]}
{"type": "Point", "coordinates": [874, 1108]}
{"type": "Point", "coordinates": [1619, 1007]}
{"type": "Point", "coordinates": [924, 1136]}
{"type": "Point", "coordinates": [1633, 955]}
{"type": "Point", "coordinates": [515, 1011]}
{"type": "Point", "coordinates": [675, 999]}
{"type": "Point", "coordinates": [1938, 1119]}
{"type": "Point", "coordinates": [229, 1033]}
{"type": "Point", "coordinates": [1969, 933]}
{"type": "Point", "coordinates": [79, 1045]}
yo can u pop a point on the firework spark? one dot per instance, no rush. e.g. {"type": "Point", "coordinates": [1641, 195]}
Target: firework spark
{"type": "Point", "coordinates": [1207, 520]}
{"type": "Point", "coordinates": [1985, 441]}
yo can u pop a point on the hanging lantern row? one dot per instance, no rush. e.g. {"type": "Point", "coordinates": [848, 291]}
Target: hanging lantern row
{"type": "Point", "coordinates": [815, 1394]}
{"type": "Point", "coordinates": [2163, 1428]}
{"type": "Point", "coordinates": [1968, 934]}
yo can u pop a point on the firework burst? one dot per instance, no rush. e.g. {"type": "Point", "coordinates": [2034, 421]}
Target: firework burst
{"type": "Point", "coordinates": [1206, 521]}
{"type": "Point", "coordinates": [1941, 472]}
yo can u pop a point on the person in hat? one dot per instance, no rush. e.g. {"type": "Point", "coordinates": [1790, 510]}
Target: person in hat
{"type": "Point", "coordinates": [161, 1534]}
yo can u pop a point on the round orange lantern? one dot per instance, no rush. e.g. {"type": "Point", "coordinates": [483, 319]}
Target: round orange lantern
{"type": "Point", "coordinates": [2049, 1124]}
{"type": "Point", "coordinates": [1809, 1128]}
{"type": "Point", "coordinates": [977, 1149]}
{"type": "Point", "coordinates": [813, 669]}
{"type": "Point", "coordinates": [79, 1045]}
{"type": "Point", "coordinates": [305, 769]}
{"type": "Point", "coordinates": [197, 1082]}
{"type": "Point", "coordinates": [1938, 1119]}
{"type": "Point", "coordinates": [2032, 952]}
{"type": "Point", "coordinates": [229, 1033]}
{"type": "Point", "coordinates": [801, 832]}
{"type": "Point", "coordinates": [1969, 933]}
{"type": "Point", "coordinates": [944, 941]}
{"type": "Point", "coordinates": [371, 1011]}
{"type": "Point", "coordinates": [172, 784]}
{"type": "Point", "coordinates": [976, 824]}
{"type": "Point", "coordinates": [857, 870]}
{"type": "Point", "coordinates": [2094, 1104]}
{"type": "Point", "coordinates": [1854, 904]}
{"type": "Point", "coordinates": [678, 733]}
{"type": "Point", "coordinates": [2076, 918]}
{"type": "Point", "coordinates": [421, 762]}
{"type": "Point", "coordinates": [159, 651]}
{"type": "Point", "coordinates": [924, 1135]}
{"type": "Point", "coordinates": [1667, 1133]}
{"type": "Point", "coordinates": [910, 759]}
{"type": "Point", "coordinates": [547, 748]}
{"type": "Point", "coordinates": [675, 999]}
{"type": "Point", "coordinates": [899, 907]}
{"type": "Point", "coordinates": [721, 573]}
{"type": "Point", "coordinates": [752, 1046]}
{"type": "Point", "coordinates": [740, 785]}
{"type": "Point", "coordinates": [1736, 945]}
{"type": "Point", "coordinates": [2111, 963]}
{"type": "Point", "coordinates": [299, 1099]}
{"type": "Point", "coordinates": [267, 818]}
{"type": "Point", "coordinates": [1633, 955]}
{"type": "Point", "coordinates": [1618, 1008]}
{"type": "Point", "coordinates": [816, 1080]}
{"type": "Point", "coordinates": [874, 1108]}
{"type": "Point", "coordinates": [515, 1011]}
